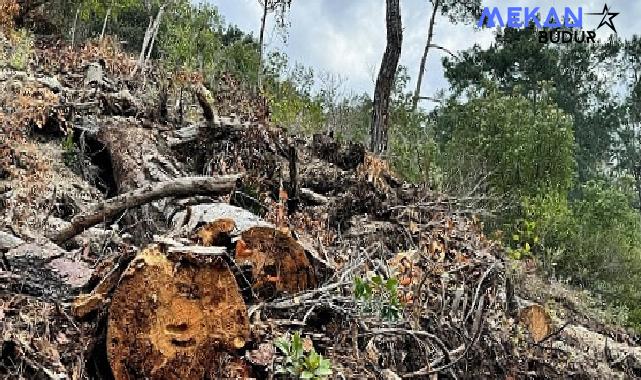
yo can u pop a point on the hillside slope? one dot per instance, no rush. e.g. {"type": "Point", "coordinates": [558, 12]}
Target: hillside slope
{"type": "Point", "coordinates": [270, 228]}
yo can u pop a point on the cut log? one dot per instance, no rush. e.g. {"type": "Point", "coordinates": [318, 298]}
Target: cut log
{"type": "Point", "coordinates": [537, 321]}
{"type": "Point", "coordinates": [138, 157]}
{"type": "Point", "coordinates": [279, 263]}
{"type": "Point", "coordinates": [174, 319]}
{"type": "Point", "coordinates": [108, 209]}
{"type": "Point", "coordinates": [85, 304]}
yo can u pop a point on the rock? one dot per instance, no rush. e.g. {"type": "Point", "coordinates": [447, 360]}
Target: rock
{"type": "Point", "coordinates": [51, 82]}
{"type": "Point", "coordinates": [8, 241]}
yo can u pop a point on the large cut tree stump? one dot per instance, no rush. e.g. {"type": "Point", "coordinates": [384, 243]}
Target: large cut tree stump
{"type": "Point", "coordinates": [175, 318]}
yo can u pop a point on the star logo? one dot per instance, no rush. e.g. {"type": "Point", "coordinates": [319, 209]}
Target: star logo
{"type": "Point", "coordinates": [607, 18]}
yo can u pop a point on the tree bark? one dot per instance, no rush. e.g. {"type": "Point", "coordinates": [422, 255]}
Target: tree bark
{"type": "Point", "coordinates": [156, 27]}
{"type": "Point", "coordinates": [73, 28]}
{"type": "Point", "coordinates": [261, 40]}
{"type": "Point", "coordinates": [421, 71]}
{"type": "Point", "coordinates": [385, 81]}
{"type": "Point", "coordinates": [143, 48]}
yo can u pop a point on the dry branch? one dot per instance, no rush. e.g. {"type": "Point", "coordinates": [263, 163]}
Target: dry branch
{"type": "Point", "coordinates": [180, 187]}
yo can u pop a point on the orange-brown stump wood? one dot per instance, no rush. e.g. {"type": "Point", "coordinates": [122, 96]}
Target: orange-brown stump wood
{"type": "Point", "coordinates": [279, 263]}
{"type": "Point", "coordinates": [176, 317]}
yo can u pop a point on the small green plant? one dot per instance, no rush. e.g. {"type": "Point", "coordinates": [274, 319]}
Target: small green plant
{"type": "Point", "coordinates": [20, 51]}
{"type": "Point", "coordinates": [524, 240]}
{"type": "Point", "coordinates": [69, 151]}
{"type": "Point", "coordinates": [302, 363]}
{"type": "Point", "coordinates": [379, 295]}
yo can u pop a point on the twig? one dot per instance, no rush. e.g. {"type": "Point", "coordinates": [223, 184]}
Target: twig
{"type": "Point", "coordinates": [478, 289]}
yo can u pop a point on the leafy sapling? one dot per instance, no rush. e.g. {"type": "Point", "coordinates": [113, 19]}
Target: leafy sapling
{"type": "Point", "coordinates": [301, 361]}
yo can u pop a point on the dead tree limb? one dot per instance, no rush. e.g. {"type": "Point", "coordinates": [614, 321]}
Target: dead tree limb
{"type": "Point", "coordinates": [201, 96]}
{"type": "Point", "coordinates": [430, 34]}
{"type": "Point", "coordinates": [187, 186]}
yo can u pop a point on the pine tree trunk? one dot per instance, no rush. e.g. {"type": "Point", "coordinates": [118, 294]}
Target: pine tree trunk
{"type": "Point", "coordinates": [140, 157]}
{"type": "Point", "coordinates": [385, 81]}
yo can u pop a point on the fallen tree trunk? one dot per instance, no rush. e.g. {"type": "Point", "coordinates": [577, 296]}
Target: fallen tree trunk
{"type": "Point", "coordinates": [188, 186]}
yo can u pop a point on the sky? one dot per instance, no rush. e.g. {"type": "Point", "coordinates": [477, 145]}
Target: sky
{"type": "Point", "coordinates": [347, 37]}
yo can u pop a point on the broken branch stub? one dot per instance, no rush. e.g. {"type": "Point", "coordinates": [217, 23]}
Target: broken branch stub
{"type": "Point", "coordinates": [175, 318]}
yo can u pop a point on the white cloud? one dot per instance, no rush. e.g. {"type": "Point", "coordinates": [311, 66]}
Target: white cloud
{"type": "Point", "coordinates": [348, 36]}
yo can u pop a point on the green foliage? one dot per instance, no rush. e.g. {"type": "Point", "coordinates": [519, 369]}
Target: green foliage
{"type": "Point", "coordinates": [412, 149]}
{"type": "Point", "coordinates": [189, 37]}
{"type": "Point", "coordinates": [69, 150]}
{"type": "Point", "coordinates": [594, 241]}
{"type": "Point", "coordinates": [524, 240]}
{"type": "Point", "coordinates": [289, 92]}
{"type": "Point", "coordinates": [304, 365]}
{"type": "Point", "coordinates": [355, 113]}
{"type": "Point", "coordinates": [518, 62]}
{"type": "Point", "coordinates": [461, 11]}
{"type": "Point", "coordinates": [19, 52]}
{"type": "Point", "coordinates": [195, 37]}
{"type": "Point", "coordinates": [379, 296]}
{"type": "Point", "coordinates": [502, 141]}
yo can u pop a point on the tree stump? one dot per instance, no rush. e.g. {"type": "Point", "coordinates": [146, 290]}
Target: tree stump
{"type": "Point", "coordinates": [175, 317]}
{"type": "Point", "coordinates": [278, 261]}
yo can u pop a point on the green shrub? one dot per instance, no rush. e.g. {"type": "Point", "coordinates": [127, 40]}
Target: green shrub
{"type": "Point", "coordinates": [379, 296]}
{"type": "Point", "coordinates": [298, 362]}
{"type": "Point", "coordinates": [506, 145]}
{"type": "Point", "coordinates": [19, 52]}
{"type": "Point", "coordinates": [593, 241]}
